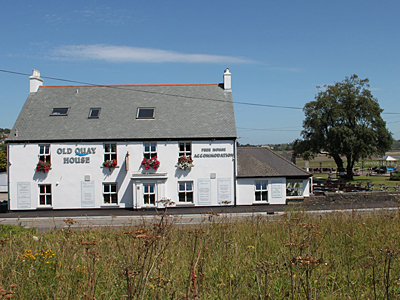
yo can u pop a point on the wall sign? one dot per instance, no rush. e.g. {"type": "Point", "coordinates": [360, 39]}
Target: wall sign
{"type": "Point", "coordinates": [204, 191]}
{"type": "Point", "coordinates": [87, 194]}
{"type": "Point", "coordinates": [213, 153]}
{"type": "Point", "coordinates": [276, 189]}
{"type": "Point", "coordinates": [224, 191]}
{"type": "Point", "coordinates": [81, 155]}
{"type": "Point", "coordinates": [23, 195]}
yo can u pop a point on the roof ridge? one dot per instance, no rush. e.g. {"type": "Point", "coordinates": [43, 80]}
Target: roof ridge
{"type": "Point", "coordinates": [126, 85]}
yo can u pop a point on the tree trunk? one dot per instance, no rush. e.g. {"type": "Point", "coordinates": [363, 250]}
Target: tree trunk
{"type": "Point", "coordinates": [349, 168]}
{"type": "Point", "coordinates": [339, 163]}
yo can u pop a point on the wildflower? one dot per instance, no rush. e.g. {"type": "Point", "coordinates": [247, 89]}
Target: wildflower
{"type": "Point", "coordinates": [70, 221]}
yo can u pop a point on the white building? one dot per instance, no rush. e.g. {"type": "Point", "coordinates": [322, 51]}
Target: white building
{"type": "Point", "coordinates": [119, 146]}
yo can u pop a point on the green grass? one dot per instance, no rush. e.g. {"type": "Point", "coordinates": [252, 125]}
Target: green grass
{"type": "Point", "coordinates": [334, 256]}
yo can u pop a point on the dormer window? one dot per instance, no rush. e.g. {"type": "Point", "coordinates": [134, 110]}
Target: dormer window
{"type": "Point", "coordinates": [94, 113]}
{"type": "Point", "coordinates": [145, 113]}
{"type": "Point", "coordinates": [60, 111]}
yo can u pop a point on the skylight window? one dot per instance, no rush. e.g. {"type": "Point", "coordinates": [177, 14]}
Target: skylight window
{"type": "Point", "coordinates": [94, 113]}
{"type": "Point", "coordinates": [61, 111]}
{"type": "Point", "coordinates": [145, 113]}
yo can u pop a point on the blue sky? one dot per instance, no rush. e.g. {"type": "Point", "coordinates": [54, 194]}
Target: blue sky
{"type": "Point", "coordinates": [277, 51]}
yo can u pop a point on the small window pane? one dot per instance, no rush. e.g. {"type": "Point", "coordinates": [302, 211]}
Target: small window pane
{"type": "Point", "coordinates": [145, 113]}
{"type": "Point", "coordinates": [181, 197]}
{"type": "Point", "coordinates": [152, 199]}
{"type": "Point", "coordinates": [188, 186]}
{"type": "Point", "coordinates": [189, 197]}
{"type": "Point", "coordinates": [264, 196]}
{"type": "Point", "coordinates": [94, 113]}
{"type": "Point", "coordinates": [182, 186]}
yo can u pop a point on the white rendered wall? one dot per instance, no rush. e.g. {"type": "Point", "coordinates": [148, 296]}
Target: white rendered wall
{"type": "Point", "coordinates": [246, 191]}
{"type": "Point", "coordinates": [70, 182]}
{"type": "Point", "coordinates": [276, 190]}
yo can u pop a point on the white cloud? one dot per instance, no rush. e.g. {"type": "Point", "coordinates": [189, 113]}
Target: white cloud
{"type": "Point", "coordinates": [136, 54]}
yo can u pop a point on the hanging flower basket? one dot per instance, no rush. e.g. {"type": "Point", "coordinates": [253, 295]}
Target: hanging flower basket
{"type": "Point", "coordinates": [110, 163]}
{"type": "Point", "coordinates": [43, 166]}
{"type": "Point", "coordinates": [185, 162]}
{"type": "Point", "coordinates": [148, 163]}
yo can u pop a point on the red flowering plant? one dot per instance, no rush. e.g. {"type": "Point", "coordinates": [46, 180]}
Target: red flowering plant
{"type": "Point", "coordinates": [43, 166]}
{"type": "Point", "coordinates": [148, 163]}
{"type": "Point", "coordinates": [110, 163]}
{"type": "Point", "coordinates": [185, 162]}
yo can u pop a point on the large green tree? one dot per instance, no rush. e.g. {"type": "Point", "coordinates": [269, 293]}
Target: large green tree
{"type": "Point", "coordinates": [344, 121]}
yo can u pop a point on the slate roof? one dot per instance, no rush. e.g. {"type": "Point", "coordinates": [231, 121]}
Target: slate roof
{"type": "Point", "coordinates": [186, 111]}
{"type": "Point", "coordinates": [263, 162]}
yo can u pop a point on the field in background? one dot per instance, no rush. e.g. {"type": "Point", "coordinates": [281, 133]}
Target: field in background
{"type": "Point", "coordinates": [333, 256]}
{"type": "Point", "coordinates": [327, 162]}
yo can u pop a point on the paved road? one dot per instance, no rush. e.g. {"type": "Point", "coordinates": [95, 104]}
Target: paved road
{"type": "Point", "coordinates": [54, 219]}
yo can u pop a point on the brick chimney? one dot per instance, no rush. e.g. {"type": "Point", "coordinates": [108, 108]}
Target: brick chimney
{"type": "Point", "coordinates": [227, 80]}
{"type": "Point", "coordinates": [35, 81]}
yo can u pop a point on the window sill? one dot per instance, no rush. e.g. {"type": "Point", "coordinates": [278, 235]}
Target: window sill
{"type": "Point", "coordinates": [44, 207]}
{"type": "Point", "coordinates": [261, 203]}
{"type": "Point", "coordinates": [109, 206]}
{"type": "Point", "coordinates": [185, 204]}
{"type": "Point", "coordinates": [116, 167]}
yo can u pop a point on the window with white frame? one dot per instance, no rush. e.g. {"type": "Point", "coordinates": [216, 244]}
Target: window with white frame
{"type": "Point", "coordinates": [149, 150]}
{"type": "Point", "coordinates": [185, 149]}
{"type": "Point", "coordinates": [44, 153]}
{"type": "Point", "coordinates": [294, 188]}
{"type": "Point", "coordinates": [45, 194]}
{"type": "Point", "coordinates": [185, 191]}
{"type": "Point", "coordinates": [149, 193]}
{"type": "Point", "coordinates": [110, 152]}
{"type": "Point", "coordinates": [110, 194]}
{"type": "Point", "coordinates": [261, 190]}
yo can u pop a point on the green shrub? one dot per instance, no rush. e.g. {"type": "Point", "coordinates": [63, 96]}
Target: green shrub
{"type": "Point", "coordinates": [395, 176]}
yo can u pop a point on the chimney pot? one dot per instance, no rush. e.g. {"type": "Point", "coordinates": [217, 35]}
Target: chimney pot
{"type": "Point", "coordinates": [35, 81]}
{"type": "Point", "coordinates": [227, 80]}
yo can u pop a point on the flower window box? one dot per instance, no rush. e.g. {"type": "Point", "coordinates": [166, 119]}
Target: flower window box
{"type": "Point", "coordinates": [43, 166]}
{"type": "Point", "coordinates": [185, 162]}
{"type": "Point", "coordinates": [110, 164]}
{"type": "Point", "coordinates": [150, 163]}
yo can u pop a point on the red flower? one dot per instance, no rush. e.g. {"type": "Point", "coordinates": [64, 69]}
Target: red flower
{"type": "Point", "coordinates": [110, 163]}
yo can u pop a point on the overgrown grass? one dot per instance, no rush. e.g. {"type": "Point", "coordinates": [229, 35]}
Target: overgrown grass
{"type": "Point", "coordinates": [300, 256]}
